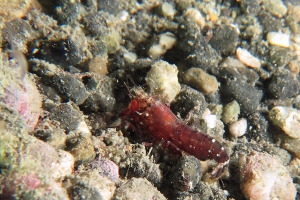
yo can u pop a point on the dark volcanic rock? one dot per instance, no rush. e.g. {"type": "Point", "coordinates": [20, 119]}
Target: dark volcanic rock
{"type": "Point", "coordinates": [62, 52]}
{"type": "Point", "coordinates": [68, 115]}
{"type": "Point", "coordinates": [19, 32]}
{"type": "Point", "coordinates": [246, 95]}
{"type": "Point", "coordinates": [225, 40]}
{"type": "Point", "coordinates": [67, 11]}
{"type": "Point", "coordinates": [199, 52]}
{"type": "Point", "coordinates": [187, 174]}
{"type": "Point", "coordinates": [268, 22]}
{"type": "Point", "coordinates": [96, 23]}
{"type": "Point", "coordinates": [280, 56]}
{"type": "Point", "coordinates": [203, 191]}
{"type": "Point", "coordinates": [70, 87]}
{"type": "Point", "coordinates": [250, 7]}
{"type": "Point", "coordinates": [283, 84]}
{"type": "Point", "coordinates": [259, 130]}
{"type": "Point", "coordinates": [186, 100]}
{"type": "Point", "coordinates": [64, 11]}
{"type": "Point", "coordinates": [235, 87]}
{"type": "Point", "coordinates": [113, 7]}
{"type": "Point", "coordinates": [101, 89]}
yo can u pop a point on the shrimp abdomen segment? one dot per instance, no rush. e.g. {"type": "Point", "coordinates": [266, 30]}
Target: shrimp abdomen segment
{"type": "Point", "coordinates": [199, 144]}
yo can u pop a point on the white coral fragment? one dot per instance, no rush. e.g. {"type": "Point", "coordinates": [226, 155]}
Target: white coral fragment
{"type": "Point", "coordinates": [166, 41]}
{"type": "Point", "coordinates": [163, 81]}
{"type": "Point", "coordinates": [288, 119]}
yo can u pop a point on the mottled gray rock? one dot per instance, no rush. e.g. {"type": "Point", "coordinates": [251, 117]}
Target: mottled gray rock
{"type": "Point", "coordinates": [113, 7]}
{"type": "Point", "coordinates": [246, 95]}
{"type": "Point", "coordinates": [101, 96]}
{"type": "Point", "coordinates": [67, 12]}
{"type": "Point", "coordinates": [225, 40]}
{"type": "Point", "coordinates": [96, 23]}
{"type": "Point", "coordinates": [203, 191]}
{"type": "Point", "coordinates": [283, 84]}
{"type": "Point", "coordinates": [199, 53]}
{"type": "Point", "coordinates": [235, 87]}
{"type": "Point", "coordinates": [142, 166]}
{"type": "Point", "coordinates": [259, 130]}
{"type": "Point", "coordinates": [70, 87]}
{"type": "Point", "coordinates": [292, 145]}
{"type": "Point", "coordinates": [283, 155]}
{"type": "Point", "coordinates": [269, 22]}
{"type": "Point", "coordinates": [292, 2]}
{"type": "Point", "coordinates": [240, 71]}
{"type": "Point", "coordinates": [18, 32]}
{"type": "Point", "coordinates": [188, 99]}
{"type": "Point", "coordinates": [138, 31]}
{"type": "Point", "coordinates": [49, 92]}
{"type": "Point", "coordinates": [68, 115]}
{"type": "Point", "coordinates": [138, 188]}
{"type": "Point", "coordinates": [187, 174]}
{"type": "Point", "coordinates": [280, 56]}
{"type": "Point", "coordinates": [64, 11]}
{"type": "Point", "coordinates": [67, 49]}
{"type": "Point", "coordinates": [51, 134]}
{"type": "Point", "coordinates": [250, 7]}
{"type": "Point", "coordinates": [91, 185]}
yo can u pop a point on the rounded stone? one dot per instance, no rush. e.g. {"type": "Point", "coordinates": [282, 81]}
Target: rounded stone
{"type": "Point", "coordinates": [188, 174]}
{"type": "Point", "coordinates": [201, 80]}
{"type": "Point", "coordinates": [225, 40]}
{"type": "Point", "coordinates": [238, 128]}
{"type": "Point", "coordinates": [283, 84]}
{"type": "Point", "coordinates": [231, 112]}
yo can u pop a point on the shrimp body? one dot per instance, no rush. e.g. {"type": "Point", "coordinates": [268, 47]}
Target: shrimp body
{"type": "Point", "coordinates": [152, 117]}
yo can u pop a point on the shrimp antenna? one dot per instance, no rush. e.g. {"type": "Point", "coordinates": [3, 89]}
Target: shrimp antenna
{"type": "Point", "coordinates": [131, 90]}
{"type": "Point", "coordinates": [131, 80]}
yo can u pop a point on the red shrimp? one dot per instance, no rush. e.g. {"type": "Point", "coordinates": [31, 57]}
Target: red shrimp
{"type": "Point", "coordinates": [153, 117]}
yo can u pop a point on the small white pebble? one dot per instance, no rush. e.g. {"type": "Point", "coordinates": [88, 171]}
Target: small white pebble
{"type": "Point", "coordinates": [156, 51]}
{"type": "Point", "coordinates": [196, 16]}
{"type": "Point", "coordinates": [278, 39]}
{"type": "Point", "coordinates": [247, 58]}
{"type": "Point", "coordinates": [83, 128]}
{"type": "Point", "coordinates": [64, 165]}
{"type": "Point", "coordinates": [124, 15]}
{"type": "Point", "coordinates": [211, 120]}
{"type": "Point", "coordinates": [35, 50]}
{"type": "Point", "coordinates": [238, 128]}
{"type": "Point", "coordinates": [168, 10]}
{"type": "Point", "coordinates": [130, 57]}
{"type": "Point", "coordinates": [167, 40]}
